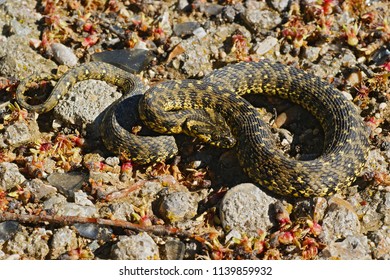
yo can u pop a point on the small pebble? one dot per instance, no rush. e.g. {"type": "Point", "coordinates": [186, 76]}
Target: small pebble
{"type": "Point", "coordinates": [7, 230]}
{"type": "Point", "coordinates": [353, 247]}
{"type": "Point", "coordinates": [200, 32]}
{"type": "Point", "coordinates": [174, 249]}
{"type": "Point", "coordinates": [382, 106]}
{"type": "Point", "coordinates": [10, 176]}
{"type": "Point", "coordinates": [178, 206]}
{"type": "Point", "coordinates": [67, 183]}
{"type": "Point", "coordinates": [182, 5]}
{"type": "Point", "coordinates": [64, 55]}
{"type": "Point", "coordinates": [135, 247]}
{"type": "Point", "coordinates": [39, 189]}
{"type": "Point", "coordinates": [185, 28]}
{"type": "Point", "coordinates": [94, 231]}
{"type": "Point", "coordinates": [63, 241]}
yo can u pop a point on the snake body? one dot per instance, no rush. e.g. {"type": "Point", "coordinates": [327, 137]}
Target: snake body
{"type": "Point", "coordinates": [172, 107]}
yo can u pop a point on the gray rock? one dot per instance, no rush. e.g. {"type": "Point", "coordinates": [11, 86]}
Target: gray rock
{"type": "Point", "coordinates": [340, 221]}
{"type": "Point", "coordinates": [63, 241]}
{"type": "Point", "coordinates": [381, 240]}
{"type": "Point", "coordinates": [82, 207]}
{"type": "Point", "coordinates": [165, 24]}
{"type": "Point", "coordinates": [8, 229]}
{"type": "Point", "coordinates": [174, 249]}
{"type": "Point", "coordinates": [135, 247]}
{"type": "Point", "coordinates": [30, 244]}
{"type": "Point", "coordinates": [94, 231]}
{"type": "Point", "coordinates": [196, 65]}
{"type": "Point", "coordinates": [112, 161]}
{"type": "Point", "coordinates": [19, 29]}
{"type": "Point", "coordinates": [280, 5]}
{"type": "Point", "coordinates": [351, 248]}
{"type": "Point", "coordinates": [182, 4]}
{"type": "Point", "coordinates": [246, 208]}
{"type": "Point", "coordinates": [268, 45]}
{"type": "Point", "coordinates": [63, 55]}
{"type": "Point", "coordinates": [347, 58]}
{"type": "Point", "coordinates": [178, 206]}
{"type": "Point", "coordinates": [200, 32]}
{"type": "Point", "coordinates": [312, 53]}
{"type": "Point", "coordinates": [19, 133]}
{"type": "Point", "coordinates": [83, 103]}
{"type": "Point", "coordinates": [185, 28]}
{"type": "Point", "coordinates": [229, 13]}
{"type": "Point", "coordinates": [213, 9]}
{"type": "Point", "coordinates": [131, 60]}
{"type": "Point", "coordinates": [19, 60]}
{"type": "Point", "coordinates": [10, 176]}
{"type": "Point", "coordinates": [39, 189]}
{"type": "Point", "coordinates": [67, 183]}
{"type": "Point", "coordinates": [261, 19]}
{"type": "Point", "coordinates": [151, 189]}
{"type": "Point", "coordinates": [376, 162]}
{"type": "Point", "coordinates": [121, 210]}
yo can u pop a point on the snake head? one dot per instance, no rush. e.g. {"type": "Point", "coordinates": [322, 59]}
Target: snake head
{"type": "Point", "coordinates": [216, 133]}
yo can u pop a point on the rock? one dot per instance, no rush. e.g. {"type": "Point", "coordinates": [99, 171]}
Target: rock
{"type": "Point", "coordinates": [261, 19]}
{"type": "Point", "coordinates": [67, 183]}
{"type": "Point", "coordinates": [10, 176]}
{"type": "Point", "coordinates": [348, 59]}
{"type": "Point", "coordinates": [200, 32]}
{"type": "Point", "coordinates": [164, 23]}
{"type": "Point", "coordinates": [151, 189]}
{"type": "Point", "coordinates": [7, 230]}
{"type": "Point", "coordinates": [63, 55]}
{"type": "Point", "coordinates": [39, 189]}
{"type": "Point", "coordinates": [82, 207]}
{"type": "Point", "coordinates": [265, 46]}
{"type": "Point", "coordinates": [121, 210]}
{"type": "Point", "coordinates": [247, 209]}
{"type": "Point", "coordinates": [312, 53]}
{"type": "Point", "coordinates": [94, 231]}
{"type": "Point", "coordinates": [185, 28]}
{"type": "Point", "coordinates": [112, 161]}
{"type": "Point", "coordinates": [30, 244]}
{"type": "Point", "coordinates": [213, 9]}
{"type": "Point", "coordinates": [376, 162]}
{"type": "Point", "coordinates": [196, 65]}
{"type": "Point", "coordinates": [135, 247]}
{"type": "Point", "coordinates": [351, 248]}
{"type": "Point", "coordinates": [178, 206]}
{"type": "Point", "coordinates": [19, 133]}
{"type": "Point", "coordinates": [174, 249]}
{"type": "Point", "coordinates": [381, 240]}
{"type": "Point", "coordinates": [280, 5]}
{"type": "Point", "coordinates": [19, 29]}
{"type": "Point", "coordinates": [340, 221]}
{"type": "Point", "coordinates": [182, 5]}
{"type": "Point", "coordinates": [130, 60]}
{"type": "Point", "coordinates": [83, 103]}
{"type": "Point", "coordinates": [229, 13]}
{"type": "Point", "coordinates": [63, 241]}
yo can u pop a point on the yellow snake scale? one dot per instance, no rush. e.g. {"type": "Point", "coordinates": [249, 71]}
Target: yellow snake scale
{"type": "Point", "coordinates": [170, 108]}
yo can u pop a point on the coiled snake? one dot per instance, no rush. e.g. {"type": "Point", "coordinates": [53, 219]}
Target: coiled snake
{"type": "Point", "coordinates": [181, 106]}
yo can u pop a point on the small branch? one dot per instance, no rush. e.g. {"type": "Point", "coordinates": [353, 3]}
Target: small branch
{"type": "Point", "coordinates": [69, 220]}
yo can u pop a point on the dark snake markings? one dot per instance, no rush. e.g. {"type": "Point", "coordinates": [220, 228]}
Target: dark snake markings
{"type": "Point", "coordinates": [184, 107]}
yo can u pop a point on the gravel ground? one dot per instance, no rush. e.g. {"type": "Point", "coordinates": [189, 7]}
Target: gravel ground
{"type": "Point", "coordinates": [63, 196]}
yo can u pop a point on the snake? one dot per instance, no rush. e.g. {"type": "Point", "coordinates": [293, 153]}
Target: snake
{"type": "Point", "coordinates": [191, 106]}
